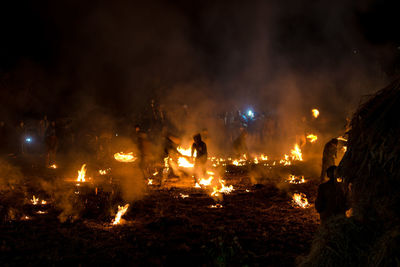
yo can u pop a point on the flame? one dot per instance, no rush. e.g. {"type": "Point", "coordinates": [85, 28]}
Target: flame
{"type": "Point", "coordinates": [197, 185]}
{"type": "Point", "coordinates": [155, 173]}
{"type": "Point", "coordinates": [284, 161]}
{"type": "Point", "coordinates": [296, 180]}
{"type": "Point", "coordinates": [255, 160]}
{"type": "Point", "coordinates": [296, 153]}
{"type": "Point", "coordinates": [102, 172]}
{"type": "Point", "coordinates": [264, 158]}
{"type": "Point", "coordinates": [53, 166]}
{"type": "Point", "coordinates": [344, 149]}
{"type": "Point", "coordinates": [300, 200]}
{"type": "Point", "coordinates": [150, 181]}
{"type": "Point", "coordinates": [81, 174]}
{"type": "Point", "coordinates": [183, 196]}
{"type": "Point", "coordinates": [341, 138]}
{"type": "Point", "coordinates": [315, 112]}
{"type": "Point", "coordinates": [125, 157]}
{"type": "Point", "coordinates": [34, 200]}
{"type": "Point", "coordinates": [206, 182]}
{"type": "Point", "coordinates": [183, 162]}
{"type": "Point", "coordinates": [121, 211]}
{"type": "Point", "coordinates": [186, 152]}
{"type": "Point", "coordinates": [236, 162]}
{"type": "Point", "coordinates": [216, 206]}
{"type": "Point", "coordinates": [312, 138]}
{"type": "Point", "coordinates": [44, 202]}
{"type": "Point", "coordinates": [224, 189]}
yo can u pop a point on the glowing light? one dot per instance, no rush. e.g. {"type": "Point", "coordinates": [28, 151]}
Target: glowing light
{"type": "Point", "coordinates": [124, 157]}
{"type": "Point", "coordinates": [315, 112]}
{"type": "Point", "coordinates": [121, 211]}
{"type": "Point", "coordinates": [300, 200]}
{"type": "Point", "coordinates": [81, 174]}
{"type": "Point", "coordinates": [312, 138]}
{"type": "Point", "coordinates": [296, 153]}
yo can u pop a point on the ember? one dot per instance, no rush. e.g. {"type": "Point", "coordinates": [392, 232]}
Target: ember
{"type": "Point", "coordinates": [82, 174]}
{"type": "Point", "coordinates": [312, 138]}
{"type": "Point", "coordinates": [124, 157]}
{"type": "Point", "coordinates": [315, 113]}
{"type": "Point", "coordinates": [300, 200]}
{"type": "Point", "coordinates": [295, 179]}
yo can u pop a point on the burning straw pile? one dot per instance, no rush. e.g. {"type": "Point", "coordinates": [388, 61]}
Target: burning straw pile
{"type": "Point", "coordinates": [371, 171]}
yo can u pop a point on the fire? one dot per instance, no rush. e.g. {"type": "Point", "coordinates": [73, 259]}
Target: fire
{"type": "Point", "coordinates": [186, 152]}
{"type": "Point", "coordinates": [121, 211]}
{"type": "Point", "coordinates": [197, 185]}
{"type": "Point", "coordinates": [103, 172]}
{"type": "Point", "coordinates": [125, 157]}
{"type": "Point", "coordinates": [315, 112]}
{"type": "Point", "coordinates": [34, 200]}
{"type": "Point", "coordinates": [341, 138]}
{"type": "Point", "coordinates": [216, 206]}
{"type": "Point", "coordinates": [150, 181]}
{"type": "Point", "coordinates": [300, 200]}
{"type": "Point", "coordinates": [53, 166]}
{"type": "Point", "coordinates": [285, 161]}
{"type": "Point", "coordinates": [264, 158]}
{"type": "Point", "coordinates": [183, 162]}
{"type": "Point", "coordinates": [312, 138]}
{"type": "Point", "coordinates": [295, 179]}
{"type": "Point", "coordinates": [44, 202]}
{"type": "Point", "coordinates": [296, 153]}
{"type": "Point", "coordinates": [81, 174]}
{"type": "Point", "coordinates": [255, 160]}
{"type": "Point", "coordinates": [183, 195]}
{"type": "Point", "coordinates": [224, 189]}
{"type": "Point", "coordinates": [206, 182]}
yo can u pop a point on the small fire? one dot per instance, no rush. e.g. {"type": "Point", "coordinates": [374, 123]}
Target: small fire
{"type": "Point", "coordinates": [103, 172]}
{"type": "Point", "coordinates": [296, 153]}
{"type": "Point", "coordinates": [34, 200]}
{"type": "Point", "coordinates": [183, 195]}
{"type": "Point", "coordinates": [315, 112]}
{"type": "Point", "coordinates": [255, 160]}
{"type": "Point", "coordinates": [150, 181]}
{"type": "Point", "coordinates": [125, 157]}
{"type": "Point", "coordinates": [312, 138]}
{"type": "Point", "coordinates": [285, 161]}
{"type": "Point", "coordinates": [216, 206]}
{"type": "Point", "coordinates": [81, 174]}
{"type": "Point", "coordinates": [206, 182]}
{"type": "Point", "coordinates": [224, 189]}
{"type": "Point", "coordinates": [155, 173]}
{"type": "Point", "coordinates": [296, 180]}
{"type": "Point", "coordinates": [341, 138]}
{"type": "Point", "coordinates": [44, 202]}
{"type": "Point", "coordinates": [183, 162]}
{"type": "Point", "coordinates": [121, 211]}
{"type": "Point", "coordinates": [41, 212]}
{"type": "Point", "coordinates": [53, 166]}
{"type": "Point", "coordinates": [263, 158]}
{"type": "Point", "coordinates": [300, 200]}
{"type": "Point", "coordinates": [197, 185]}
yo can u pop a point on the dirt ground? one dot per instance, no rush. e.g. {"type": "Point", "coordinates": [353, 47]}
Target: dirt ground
{"type": "Point", "coordinates": [255, 225]}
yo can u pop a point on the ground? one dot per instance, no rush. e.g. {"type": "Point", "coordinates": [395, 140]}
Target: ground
{"type": "Point", "coordinates": [255, 225]}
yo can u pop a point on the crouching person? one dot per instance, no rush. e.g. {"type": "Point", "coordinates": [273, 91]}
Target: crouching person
{"type": "Point", "coordinates": [331, 199]}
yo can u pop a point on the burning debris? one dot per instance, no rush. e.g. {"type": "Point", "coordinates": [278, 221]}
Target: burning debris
{"type": "Point", "coordinates": [121, 211]}
{"type": "Point", "coordinates": [315, 112]}
{"type": "Point", "coordinates": [296, 179]}
{"type": "Point", "coordinates": [81, 174]}
{"type": "Point", "coordinates": [312, 138]}
{"type": "Point", "coordinates": [300, 200]}
{"type": "Point", "coordinates": [124, 157]}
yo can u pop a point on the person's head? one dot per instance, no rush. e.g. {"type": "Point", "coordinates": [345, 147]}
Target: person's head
{"type": "Point", "coordinates": [334, 141]}
{"type": "Point", "coordinates": [330, 172]}
{"type": "Point", "coordinates": [197, 138]}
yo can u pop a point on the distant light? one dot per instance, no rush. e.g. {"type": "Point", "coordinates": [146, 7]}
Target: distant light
{"type": "Point", "coordinates": [250, 113]}
{"type": "Point", "coordinates": [28, 139]}
{"type": "Point", "coordinates": [116, 134]}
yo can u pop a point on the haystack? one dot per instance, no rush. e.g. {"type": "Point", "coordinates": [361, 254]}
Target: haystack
{"type": "Point", "coordinates": [371, 168]}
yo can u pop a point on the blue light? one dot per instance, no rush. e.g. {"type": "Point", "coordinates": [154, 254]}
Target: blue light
{"type": "Point", "coordinates": [250, 113]}
{"type": "Point", "coordinates": [28, 139]}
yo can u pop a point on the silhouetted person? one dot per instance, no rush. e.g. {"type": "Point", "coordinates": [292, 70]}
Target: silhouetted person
{"type": "Point", "coordinates": [43, 125]}
{"type": "Point", "coordinates": [239, 145]}
{"type": "Point", "coordinates": [331, 198]}
{"type": "Point", "coordinates": [201, 155]}
{"type": "Point", "coordinates": [51, 141]}
{"type": "Point", "coordinates": [21, 135]}
{"type": "Point", "coordinates": [328, 157]}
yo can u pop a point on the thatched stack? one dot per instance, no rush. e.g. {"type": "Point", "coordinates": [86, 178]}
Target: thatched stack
{"type": "Point", "coordinates": [372, 167]}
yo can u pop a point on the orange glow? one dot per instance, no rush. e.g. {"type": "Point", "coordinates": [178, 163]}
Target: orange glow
{"type": "Point", "coordinates": [312, 138]}
{"type": "Point", "coordinates": [125, 157]}
{"type": "Point", "coordinates": [315, 112]}
{"type": "Point", "coordinates": [300, 199]}
{"type": "Point", "coordinates": [81, 174]}
{"type": "Point", "coordinates": [121, 211]}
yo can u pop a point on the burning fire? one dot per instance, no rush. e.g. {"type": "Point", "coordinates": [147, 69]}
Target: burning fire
{"type": "Point", "coordinates": [300, 200]}
{"type": "Point", "coordinates": [34, 200]}
{"type": "Point", "coordinates": [216, 206]}
{"type": "Point", "coordinates": [186, 152]}
{"type": "Point", "coordinates": [296, 153]}
{"type": "Point", "coordinates": [183, 162]}
{"type": "Point", "coordinates": [81, 174]}
{"type": "Point", "coordinates": [53, 166]}
{"type": "Point", "coordinates": [150, 181]}
{"type": "Point", "coordinates": [224, 189]}
{"type": "Point", "coordinates": [121, 211]}
{"type": "Point", "coordinates": [183, 195]}
{"type": "Point", "coordinates": [125, 157]}
{"type": "Point", "coordinates": [295, 179]}
{"type": "Point", "coordinates": [264, 158]}
{"type": "Point", "coordinates": [312, 138]}
{"type": "Point", "coordinates": [284, 161]}
{"type": "Point", "coordinates": [315, 112]}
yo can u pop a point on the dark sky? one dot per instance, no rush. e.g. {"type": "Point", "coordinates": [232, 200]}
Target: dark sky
{"type": "Point", "coordinates": [58, 55]}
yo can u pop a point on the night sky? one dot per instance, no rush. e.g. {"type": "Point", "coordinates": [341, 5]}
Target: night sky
{"type": "Point", "coordinates": [58, 55]}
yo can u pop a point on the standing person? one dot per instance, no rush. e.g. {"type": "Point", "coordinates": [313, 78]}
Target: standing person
{"type": "Point", "coordinates": [21, 135]}
{"type": "Point", "coordinates": [51, 143]}
{"type": "Point", "coordinates": [240, 145]}
{"type": "Point", "coordinates": [201, 156]}
{"type": "Point", "coordinates": [43, 124]}
{"type": "Point", "coordinates": [331, 199]}
{"type": "Point", "coordinates": [328, 157]}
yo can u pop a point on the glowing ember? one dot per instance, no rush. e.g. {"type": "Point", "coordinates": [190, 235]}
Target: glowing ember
{"type": "Point", "coordinates": [236, 163]}
{"type": "Point", "coordinates": [285, 161]}
{"type": "Point", "coordinates": [339, 179]}
{"type": "Point", "coordinates": [183, 162]}
{"type": "Point", "coordinates": [344, 149]}
{"type": "Point", "coordinates": [300, 199]}
{"type": "Point", "coordinates": [150, 181]}
{"type": "Point", "coordinates": [41, 212]}
{"type": "Point", "coordinates": [216, 206]}
{"type": "Point", "coordinates": [155, 173]}
{"type": "Point", "coordinates": [312, 138]}
{"type": "Point", "coordinates": [81, 174]}
{"type": "Point", "coordinates": [255, 160]}
{"type": "Point", "coordinates": [183, 196]}
{"type": "Point", "coordinates": [125, 157]}
{"type": "Point", "coordinates": [44, 202]}
{"type": "Point", "coordinates": [121, 211]}
{"type": "Point", "coordinates": [296, 153]}
{"type": "Point", "coordinates": [34, 200]}
{"type": "Point", "coordinates": [341, 138]}
{"type": "Point", "coordinates": [224, 189]}
{"type": "Point", "coordinates": [102, 172]}
{"type": "Point", "coordinates": [296, 180]}
{"type": "Point", "coordinates": [54, 166]}
{"type": "Point", "coordinates": [315, 112]}
{"type": "Point", "coordinates": [264, 158]}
